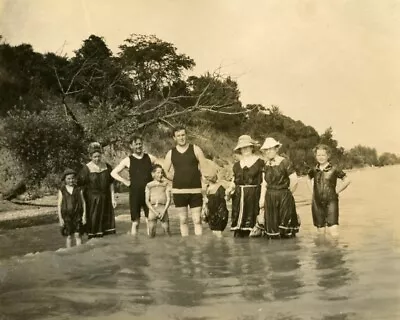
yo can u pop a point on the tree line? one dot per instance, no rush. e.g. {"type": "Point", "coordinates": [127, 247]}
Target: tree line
{"type": "Point", "coordinates": [52, 105]}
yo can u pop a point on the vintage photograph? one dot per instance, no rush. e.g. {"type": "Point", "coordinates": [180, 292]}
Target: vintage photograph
{"type": "Point", "coordinates": [199, 159]}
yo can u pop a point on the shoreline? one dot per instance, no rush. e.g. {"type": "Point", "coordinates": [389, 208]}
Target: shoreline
{"type": "Point", "coordinates": [44, 210]}
{"type": "Point", "coordinates": [42, 215]}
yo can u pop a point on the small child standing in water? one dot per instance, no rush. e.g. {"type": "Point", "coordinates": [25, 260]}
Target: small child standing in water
{"type": "Point", "coordinates": [158, 199]}
{"type": "Point", "coordinates": [322, 181]}
{"type": "Point", "coordinates": [71, 208]}
{"type": "Point", "coordinates": [214, 208]}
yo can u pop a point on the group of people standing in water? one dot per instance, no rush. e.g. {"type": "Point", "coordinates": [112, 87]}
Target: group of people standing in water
{"type": "Point", "coordinates": [261, 191]}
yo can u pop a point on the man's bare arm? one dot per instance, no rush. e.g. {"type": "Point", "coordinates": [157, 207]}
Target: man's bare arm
{"type": "Point", "coordinates": [167, 165]}
{"type": "Point", "coordinates": [200, 157]}
{"type": "Point", "coordinates": [116, 172]}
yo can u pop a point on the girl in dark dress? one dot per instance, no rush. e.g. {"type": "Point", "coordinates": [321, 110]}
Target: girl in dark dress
{"type": "Point", "coordinates": [98, 185]}
{"type": "Point", "coordinates": [216, 213]}
{"type": "Point", "coordinates": [281, 220]}
{"type": "Point", "coordinates": [322, 182]}
{"type": "Point", "coordinates": [246, 187]}
{"type": "Point", "coordinates": [71, 208]}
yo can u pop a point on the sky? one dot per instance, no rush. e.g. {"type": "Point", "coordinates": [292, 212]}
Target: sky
{"type": "Point", "coordinates": [327, 63]}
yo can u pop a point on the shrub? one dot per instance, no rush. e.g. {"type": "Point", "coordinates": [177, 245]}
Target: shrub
{"type": "Point", "coordinates": [12, 171]}
{"type": "Point", "coordinates": [45, 143]}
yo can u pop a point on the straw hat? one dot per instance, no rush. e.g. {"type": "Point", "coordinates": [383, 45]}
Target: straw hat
{"type": "Point", "coordinates": [68, 172]}
{"type": "Point", "coordinates": [245, 141]}
{"type": "Point", "coordinates": [270, 143]}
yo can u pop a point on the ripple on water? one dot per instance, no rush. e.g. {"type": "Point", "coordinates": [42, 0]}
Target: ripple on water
{"type": "Point", "coordinates": [122, 277]}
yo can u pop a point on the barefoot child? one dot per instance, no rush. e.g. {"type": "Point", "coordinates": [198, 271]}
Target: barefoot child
{"type": "Point", "coordinates": [322, 182]}
{"type": "Point", "coordinates": [71, 208]}
{"type": "Point", "coordinates": [158, 199]}
{"type": "Point", "coordinates": [216, 212]}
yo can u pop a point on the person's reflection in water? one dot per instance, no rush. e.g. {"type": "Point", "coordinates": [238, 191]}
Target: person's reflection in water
{"type": "Point", "coordinates": [217, 255]}
{"type": "Point", "coordinates": [331, 267]}
{"type": "Point", "coordinates": [187, 288]}
{"type": "Point", "coordinates": [284, 275]}
{"type": "Point", "coordinates": [248, 265]}
{"type": "Point", "coordinates": [133, 283]}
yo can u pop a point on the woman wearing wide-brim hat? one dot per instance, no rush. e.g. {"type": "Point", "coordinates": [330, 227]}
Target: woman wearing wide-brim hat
{"type": "Point", "coordinates": [246, 187]}
{"type": "Point", "coordinates": [281, 220]}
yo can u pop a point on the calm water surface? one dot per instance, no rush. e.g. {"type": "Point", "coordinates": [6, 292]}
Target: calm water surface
{"type": "Point", "coordinates": [120, 277]}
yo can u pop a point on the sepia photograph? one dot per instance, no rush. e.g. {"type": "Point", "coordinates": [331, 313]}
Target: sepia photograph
{"type": "Point", "coordinates": [199, 159]}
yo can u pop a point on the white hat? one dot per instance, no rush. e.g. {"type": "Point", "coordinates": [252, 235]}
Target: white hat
{"type": "Point", "coordinates": [245, 141]}
{"type": "Point", "coordinates": [270, 143]}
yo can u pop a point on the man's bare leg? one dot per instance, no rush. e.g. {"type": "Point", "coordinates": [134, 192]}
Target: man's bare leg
{"type": "Point", "coordinates": [196, 216]}
{"type": "Point", "coordinates": [135, 227]}
{"type": "Point", "coordinates": [183, 221]}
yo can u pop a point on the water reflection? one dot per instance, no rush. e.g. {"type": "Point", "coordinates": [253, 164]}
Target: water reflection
{"type": "Point", "coordinates": [185, 274]}
{"type": "Point", "coordinates": [331, 267]}
{"type": "Point", "coordinates": [245, 265]}
{"type": "Point", "coordinates": [134, 289]}
{"type": "Point", "coordinates": [285, 276]}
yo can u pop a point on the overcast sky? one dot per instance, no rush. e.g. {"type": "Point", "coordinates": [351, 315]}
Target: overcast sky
{"type": "Point", "coordinates": [326, 63]}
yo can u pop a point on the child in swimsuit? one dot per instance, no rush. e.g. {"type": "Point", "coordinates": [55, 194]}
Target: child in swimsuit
{"type": "Point", "coordinates": [322, 181]}
{"type": "Point", "coordinates": [216, 212]}
{"type": "Point", "coordinates": [158, 199]}
{"type": "Point", "coordinates": [71, 209]}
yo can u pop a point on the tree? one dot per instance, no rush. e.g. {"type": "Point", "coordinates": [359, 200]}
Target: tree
{"type": "Point", "coordinates": [96, 74]}
{"type": "Point", "coordinates": [360, 156]}
{"type": "Point", "coordinates": [387, 159]}
{"type": "Point", "coordinates": [152, 64]}
{"type": "Point", "coordinates": [222, 96]}
{"type": "Point", "coordinates": [20, 78]}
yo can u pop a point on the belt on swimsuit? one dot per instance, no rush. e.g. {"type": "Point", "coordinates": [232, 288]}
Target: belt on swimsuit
{"type": "Point", "coordinates": [248, 185]}
{"type": "Point", "coordinates": [186, 191]}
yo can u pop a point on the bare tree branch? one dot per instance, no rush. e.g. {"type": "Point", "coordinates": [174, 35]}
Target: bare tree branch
{"type": "Point", "coordinates": [167, 122]}
{"type": "Point", "coordinates": [202, 94]}
{"type": "Point", "coordinates": [67, 109]}
{"type": "Point", "coordinates": [75, 75]}
{"type": "Point", "coordinates": [228, 113]}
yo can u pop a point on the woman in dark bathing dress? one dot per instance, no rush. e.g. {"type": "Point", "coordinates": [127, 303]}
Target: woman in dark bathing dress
{"type": "Point", "coordinates": [98, 185]}
{"type": "Point", "coordinates": [247, 180]}
{"type": "Point", "coordinates": [281, 220]}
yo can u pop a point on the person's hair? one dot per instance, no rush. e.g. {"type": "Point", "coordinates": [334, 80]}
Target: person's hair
{"type": "Point", "coordinates": [68, 172]}
{"type": "Point", "coordinates": [158, 166]}
{"type": "Point", "coordinates": [94, 147]}
{"type": "Point", "coordinates": [136, 137]}
{"type": "Point", "coordinates": [178, 128]}
{"type": "Point", "coordinates": [321, 146]}
{"type": "Point", "coordinates": [213, 177]}
{"type": "Point", "coordinates": [253, 149]}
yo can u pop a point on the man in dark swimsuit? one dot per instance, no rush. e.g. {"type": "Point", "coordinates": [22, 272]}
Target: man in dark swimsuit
{"type": "Point", "coordinates": [187, 161]}
{"type": "Point", "coordinates": [140, 166]}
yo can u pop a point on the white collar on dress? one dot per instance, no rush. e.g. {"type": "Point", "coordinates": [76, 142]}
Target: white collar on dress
{"type": "Point", "coordinates": [275, 161]}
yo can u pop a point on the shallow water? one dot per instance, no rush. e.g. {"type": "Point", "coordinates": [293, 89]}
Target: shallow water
{"type": "Point", "coordinates": [120, 277]}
